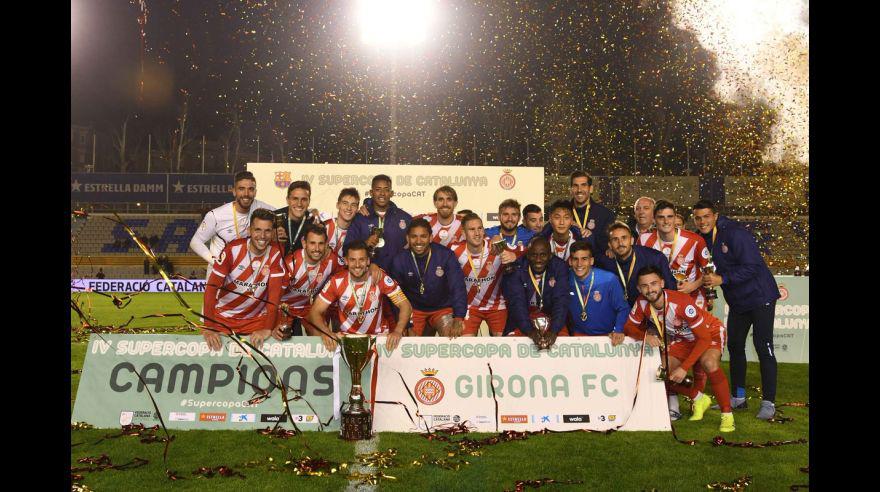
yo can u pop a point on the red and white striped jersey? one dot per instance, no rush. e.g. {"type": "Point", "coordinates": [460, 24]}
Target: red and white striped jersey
{"type": "Point", "coordinates": [562, 251]}
{"type": "Point", "coordinates": [687, 257]}
{"type": "Point", "coordinates": [443, 234]}
{"type": "Point", "coordinates": [348, 296]}
{"type": "Point", "coordinates": [335, 236]}
{"type": "Point", "coordinates": [484, 285]}
{"type": "Point", "coordinates": [302, 280]}
{"type": "Point", "coordinates": [682, 317]}
{"type": "Point", "coordinates": [243, 277]}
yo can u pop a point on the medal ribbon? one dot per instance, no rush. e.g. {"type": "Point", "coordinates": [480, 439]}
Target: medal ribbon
{"type": "Point", "coordinates": [628, 275]}
{"type": "Point", "coordinates": [476, 271]}
{"type": "Point", "coordinates": [577, 219]}
{"type": "Point", "coordinates": [235, 221]}
{"type": "Point", "coordinates": [674, 243]}
{"type": "Point", "coordinates": [290, 228]}
{"type": "Point", "coordinates": [660, 327]}
{"type": "Point", "coordinates": [581, 298]}
{"type": "Point", "coordinates": [538, 290]}
{"type": "Point", "coordinates": [422, 274]}
{"type": "Point", "coordinates": [366, 290]}
{"type": "Point", "coordinates": [253, 276]}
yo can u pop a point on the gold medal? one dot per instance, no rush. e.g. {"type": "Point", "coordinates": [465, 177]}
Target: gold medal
{"type": "Point", "coordinates": [582, 299]}
{"type": "Point", "coordinates": [360, 317]}
{"type": "Point", "coordinates": [422, 289]}
{"type": "Point", "coordinates": [381, 242]}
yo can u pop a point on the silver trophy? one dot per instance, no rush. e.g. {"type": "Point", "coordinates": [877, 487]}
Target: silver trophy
{"type": "Point", "coordinates": [711, 293]}
{"type": "Point", "coordinates": [541, 324]}
{"type": "Point", "coordinates": [663, 376]}
{"type": "Point", "coordinates": [357, 421]}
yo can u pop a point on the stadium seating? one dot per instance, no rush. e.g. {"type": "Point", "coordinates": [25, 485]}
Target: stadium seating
{"type": "Point", "coordinates": [98, 234]}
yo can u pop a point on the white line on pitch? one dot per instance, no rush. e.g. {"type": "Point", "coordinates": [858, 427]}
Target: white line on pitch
{"type": "Point", "coordinates": [363, 447]}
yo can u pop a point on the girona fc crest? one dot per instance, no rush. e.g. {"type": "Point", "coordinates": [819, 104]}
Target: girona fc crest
{"type": "Point", "coordinates": [783, 292]}
{"type": "Point", "coordinates": [282, 179]}
{"type": "Point", "coordinates": [507, 181]}
{"type": "Point", "coordinates": [429, 390]}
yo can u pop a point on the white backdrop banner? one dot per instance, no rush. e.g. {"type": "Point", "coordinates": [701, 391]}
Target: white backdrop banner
{"type": "Point", "coordinates": [581, 383]}
{"type": "Point", "coordinates": [479, 188]}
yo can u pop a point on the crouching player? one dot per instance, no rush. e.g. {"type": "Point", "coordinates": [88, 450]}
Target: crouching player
{"type": "Point", "coordinates": [244, 285]}
{"type": "Point", "coordinates": [537, 287]}
{"type": "Point", "coordinates": [308, 268]}
{"type": "Point", "coordinates": [693, 336]}
{"type": "Point", "coordinates": [360, 300]}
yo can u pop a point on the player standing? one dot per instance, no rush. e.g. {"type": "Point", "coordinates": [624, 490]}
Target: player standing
{"type": "Point", "coordinates": [482, 269]}
{"type": "Point", "coordinates": [685, 251]}
{"type": "Point", "coordinates": [229, 221]}
{"type": "Point", "coordinates": [445, 225]}
{"type": "Point", "coordinates": [337, 228]}
{"type": "Point", "coordinates": [307, 269]}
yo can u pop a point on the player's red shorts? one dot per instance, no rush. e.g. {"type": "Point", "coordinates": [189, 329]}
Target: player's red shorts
{"type": "Point", "coordinates": [241, 326]}
{"type": "Point", "coordinates": [421, 318]}
{"type": "Point", "coordinates": [496, 319]}
{"type": "Point", "coordinates": [682, 349]}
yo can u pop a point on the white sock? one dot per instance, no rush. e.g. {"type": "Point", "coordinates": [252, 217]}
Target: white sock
{"type": "Point", "coordinates": [673, 403]}
{"type": "Point", "coordinates": [698, 395]}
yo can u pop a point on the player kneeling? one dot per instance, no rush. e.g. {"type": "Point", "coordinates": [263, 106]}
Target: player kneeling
{"type": "Point", "coordinates": [693, 335]}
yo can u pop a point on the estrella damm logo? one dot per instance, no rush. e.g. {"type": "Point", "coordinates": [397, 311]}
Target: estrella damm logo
{"type": "Point", "coordinates": [283, 179]}
{"type": "Point", "coordinates": [429, 390]}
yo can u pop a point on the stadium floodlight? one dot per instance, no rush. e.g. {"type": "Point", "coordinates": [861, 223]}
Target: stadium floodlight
{"type": "Point", "coordinates": [392, 24]}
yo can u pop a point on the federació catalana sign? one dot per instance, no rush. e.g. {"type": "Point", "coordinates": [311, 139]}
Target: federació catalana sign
{"type": "Point", "coordinates": [195, 388]}
{"type": "Point", "coordinates": [580, 383]}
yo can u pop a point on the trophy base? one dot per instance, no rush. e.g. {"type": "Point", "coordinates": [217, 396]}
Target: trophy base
{"type": "Point", "coordinates": [356, 426]}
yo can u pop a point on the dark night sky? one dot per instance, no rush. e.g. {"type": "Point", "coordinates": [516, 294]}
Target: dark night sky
{"type": "Point", "coordinates": [573, 78]}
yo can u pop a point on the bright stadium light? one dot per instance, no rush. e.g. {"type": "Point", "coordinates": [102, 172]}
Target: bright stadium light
{"type": "Point", "coordinates": [394, 23]}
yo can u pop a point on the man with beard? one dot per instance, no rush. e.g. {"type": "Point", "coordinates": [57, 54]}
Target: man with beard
{"type": "Point", "coordinates": [295, 216]}
{"type": "Point", "coordinates": [445, 226]}
{"type": "Point", "coordinates": [686, 334]}
{"type": "Point", "coordinates": [360, 301]}
{"type": "Point", "coordinates": [307, 269]}
{"type": "Point", "coordinates": [482, 268]}
{"type": "Point", "coordinates": [533, 219]}
{"type": "Point", "coordinates": [510, 230]}
{"type": "Point", "coordinates": [751, 292]}
{"type": "Point", "coordinates": [337, 228]}
{"type": "Point", "coordinates": [591, 218]}
{"type": "Point", "coordinates": [629, 258]}
{"type": "Point", "coordinates": [384, 228]}
{"type": "Point", "coordinates": [432, 280]}
{"type": "Point", "coordinates": [685, 251]}
{"type": "Point", "coordinates": [537, 287]}
{"type": "Point", "coordinates": [643, 211]}
{"type": "Point", "coordinates": [596, 302]}
{"type": "Point", "coordinates": [244, 285]}
{"type": "Point", "coordinates": [229, 221]}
